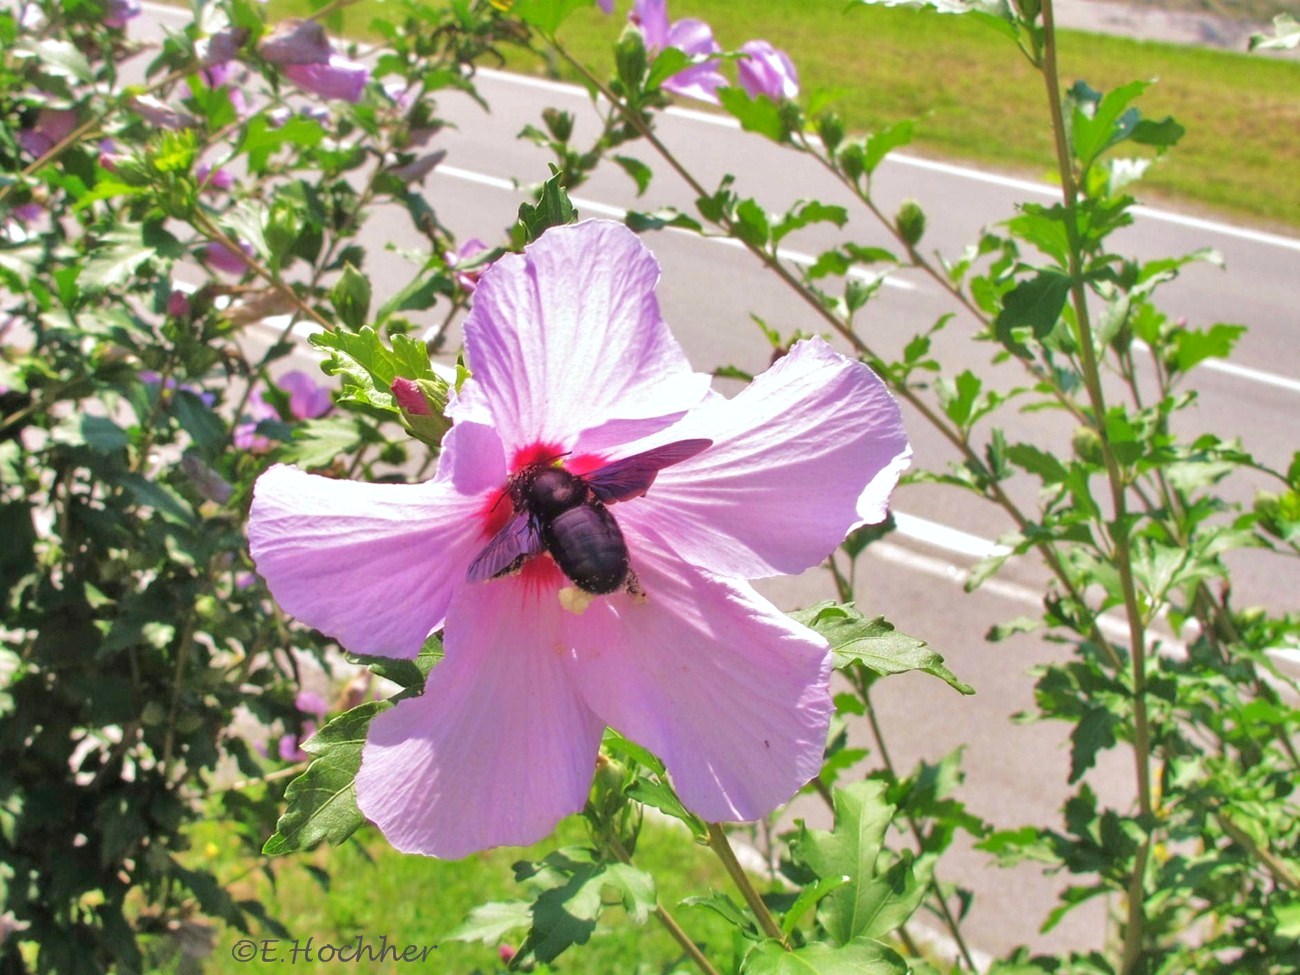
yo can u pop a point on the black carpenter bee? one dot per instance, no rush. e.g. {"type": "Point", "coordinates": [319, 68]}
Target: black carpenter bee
{"type": "Point", "coordinates": [563, 513]}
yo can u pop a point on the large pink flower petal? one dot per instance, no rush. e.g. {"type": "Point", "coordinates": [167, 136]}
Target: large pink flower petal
{"type": "Point", "coordinates": [375, 565]}
{"type": "Point", "coordinates": [499, 748]}
{"type": "Point", "coordinates": [729, 692]}
{"type": "Point", "coordinates": [568, 336]}
{"type": "Point", "coordinates": [806, 452]}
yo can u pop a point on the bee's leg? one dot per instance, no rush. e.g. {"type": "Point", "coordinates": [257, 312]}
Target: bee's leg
{"type": "Point", "coordinates": [633, 588]}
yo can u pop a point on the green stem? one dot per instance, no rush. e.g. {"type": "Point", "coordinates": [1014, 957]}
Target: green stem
{"type": "Point", "coordinates": [720, 845]}
{"type": "Point", "coordinates": [1134, 934]}
{"type": "Point", "coordinates": [666, 918]}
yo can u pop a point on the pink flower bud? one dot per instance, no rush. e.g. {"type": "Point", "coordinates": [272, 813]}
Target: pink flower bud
{"type": "Point", "coordinates": [339, 78]}
{"type": "Point", "coordinates": [214, 180]}
{"type": "Point", "coordinates": [221, 47]}
{"type": "Point", "coordinates": [766, 70]}
{"type": "Point", "coordinates": [409, 397]}
{"type": "Point", "coordinates": [465, 254]}
{"type": "Point", "coordinates": [507, 953]}
{"type": "Point", "coordinates": [178, 305]}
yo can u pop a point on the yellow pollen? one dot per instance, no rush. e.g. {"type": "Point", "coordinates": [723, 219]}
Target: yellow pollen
{"type": "Point", "coordinates": [575, 600]}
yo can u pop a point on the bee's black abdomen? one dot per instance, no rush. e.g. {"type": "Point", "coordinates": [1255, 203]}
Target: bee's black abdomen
{"type": "Point", "coordinates": [588, 546]}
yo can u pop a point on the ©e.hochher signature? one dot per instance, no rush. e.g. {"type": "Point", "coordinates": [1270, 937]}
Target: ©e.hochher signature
{"type": "Point", "coordinates": [362, 948]}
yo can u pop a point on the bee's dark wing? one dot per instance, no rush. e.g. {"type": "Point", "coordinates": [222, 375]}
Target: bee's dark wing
{"type": "Point", "coordinates": [517, 540]}
{"type": "Point", "coordinates": [632, 476]}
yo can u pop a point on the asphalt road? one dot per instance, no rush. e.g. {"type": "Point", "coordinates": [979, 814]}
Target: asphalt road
{"type": "Point", "coordinates": [1016, 773]}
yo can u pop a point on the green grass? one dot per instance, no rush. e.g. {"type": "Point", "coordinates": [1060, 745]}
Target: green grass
{"type": "Point", "coordinates": [979, 101]}
{"type": "Point", "coordinates": [417, 901]}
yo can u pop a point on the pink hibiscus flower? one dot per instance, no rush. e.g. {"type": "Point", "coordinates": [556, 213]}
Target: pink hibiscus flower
{"type": "Point", "coordinates": [767, 70]}
{"type": "Point", "coordinates": [694, 37]}
{"type": "Point", "coordinates": [574, 370]}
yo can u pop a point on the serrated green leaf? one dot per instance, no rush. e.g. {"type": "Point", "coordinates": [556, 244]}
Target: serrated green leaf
{"type": "Point", "coordinates": [116, 260]}
{"type": "Point", "coordinates": [874, 643]}
{"type": "Point", "coordinates": [320, 442]}
{"type": "Point", "coordinates": [851, 849]}
{"type": "Point", "coordinates": [761, 115]}
{"type": "Point", "coordinates": [491, 922]}
{"type": "Point", "coordinates": [553, 209]}
{"type": "Point", "coordinates": [1035, 303]}
{"type": "Point", "coordinates": [859, 958]}
{"type": "Point", "coordinates": [322, 802]}
{"type": "Point", "coordinates": [350, 297]}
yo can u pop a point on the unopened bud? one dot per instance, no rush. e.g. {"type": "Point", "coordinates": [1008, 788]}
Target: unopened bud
{"type": "Point", "coordinates": [423, 402]}
{"type": "Point", "coordinates": [910, 222]}
{"type": "Point", "coordinates": [1087, 445]}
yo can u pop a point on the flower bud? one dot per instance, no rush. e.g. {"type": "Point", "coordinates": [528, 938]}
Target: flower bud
{"type": "Point", "coordinates": [910, 222]}
{"type": "Point", "coordinates": [120, 11]}
{"type": "Point", "coordinates": [221, 47]}
{"type": "Point", "coordinates": [423, 402]}
{"type": "Point", "coordinates": [1087, 445]}
{"type": "Point", "coordinates": [157, 113]}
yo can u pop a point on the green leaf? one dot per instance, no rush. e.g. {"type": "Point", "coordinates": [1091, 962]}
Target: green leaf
{"type": "Point", "coordinates": [850, 850]}
{"type": "Point", "coordinates": [367, 367]}
{"type": "Point", "coordinates": [805, 213]}
{"type": "Point", "coordinates": [809, 897]}
{"type": "Point", "coordinates": [761, 115]}
{"type": "Point", "coordinates": [351, 297]}
{"type": "Point", "coordinates": [60, 58]}
{"type": "Point", "coordinates": [1193, 346]}
{"type": "Point", "coordinates": [99, 433]}
{"type": "Point", "coordinates": [545, 15]}
{"type": "Point", "coordinates": [552, 209]}
{"type": "Point", "coordinates": [639, 171]}
{"type": "Point", "coordinates": [873, 643]}
{"type": "Point", "coordinates": [114, 262]}
{"type": "Point", "coordinates": [882, 143]}
{"type": "Point", "coordinates": [859, 958]}
{"type": "Point", "coordinates": [1094, 733]}
{"type": "Point", "coordinates": [318, 443]}
{"type": "Point", "coordinates": [669, 62]}
{"type": "Point", "coordinates": [261, 139]}
{"type": "Point", "coordinates": [491, 922]}
{"type": "Point", "coordinates": [1097, 121]}
{"type": "Point", "coordinates": [322, 802]}
{"type": "Point", "coordinates": [1036, 303]}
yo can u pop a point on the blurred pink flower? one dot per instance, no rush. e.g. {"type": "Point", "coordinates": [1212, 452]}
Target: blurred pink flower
{"type": "Point", "coordinates": [219, 257]}
{"type": "Point", "coordinates": [51, 127]}
{"type": "Point", "coordinates": [337, 78]}
{"type": "Point", "coordinates": [213, 180]}
{"type": "Point", "coordinates": [465, 254]}
{"type": "Point", "coordinates": [694, 37]}
{"type": "Point", "coordinates": [571, 359]}
{"type": "Point", "coordinates": [307, 400]}
{"type": "Point", "coordinates": [118, 12]}
{"type": "Point", "coordinates": [766, 70]}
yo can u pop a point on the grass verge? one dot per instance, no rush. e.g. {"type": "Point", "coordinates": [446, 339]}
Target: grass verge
{"type": "Point", "coordinates": [979, 102]}
{"type": "Point", "coordinates": [414, 900]}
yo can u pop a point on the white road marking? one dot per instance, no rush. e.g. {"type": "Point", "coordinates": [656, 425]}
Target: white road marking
{"type": "Point", "coordinates": [949, 169]}
{"type": "Point", "coordinates": [618, 213]}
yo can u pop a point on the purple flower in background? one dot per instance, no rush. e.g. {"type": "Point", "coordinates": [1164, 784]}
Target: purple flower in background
{"type": "Point", "coordinates": [219, 257]}
{"type": "Point", "coordinates": [572, 369]}
{"type": "Point", "coordinates": [178, 304]}
{"type": "Point", "coordinates": [337, 78]}
{"type": "Point", "coordinates": [158, 113]}
{"type": "Point", "coordinates": [296, 42]}
{"type": "Point", "coordinates": [694, 37]}
{"type": "Point", "coordinates": [118, 12]}
{"type": "Point", "coordinates": [465, 254]}
{"type": "Point", "coordinates": [214, 180]}
{"type": "Point", "coordinates": [766, 70]}
{"type": "Point", "coordinates": [606, 5]}
{"type": "Point", "coordinates": [51, 127]}
{"type": "Point", "coordinates": [307, 400]}
{"type": "Point", "coordinates": [309, 703]}
{"type": "Point", "coordinates": [28, 213]}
